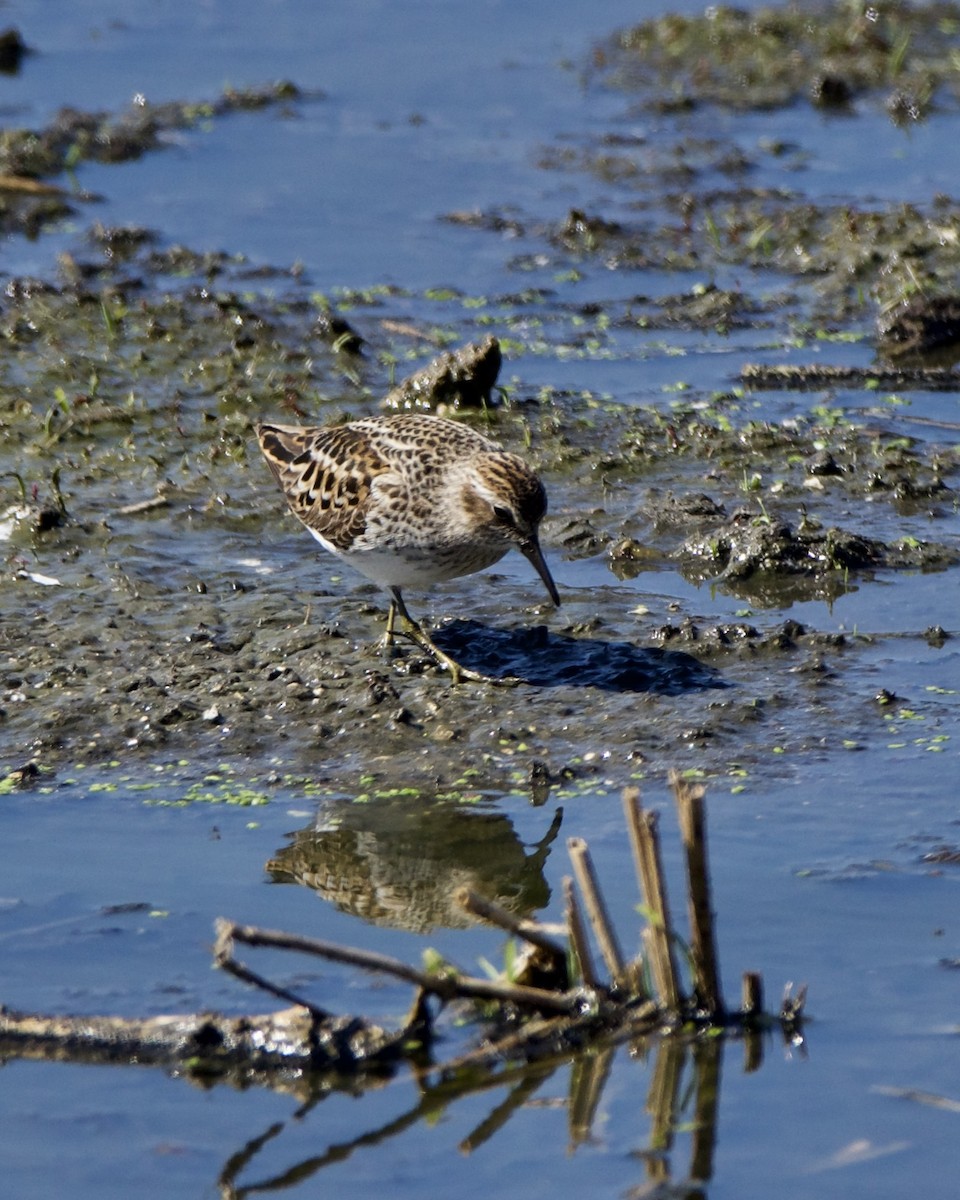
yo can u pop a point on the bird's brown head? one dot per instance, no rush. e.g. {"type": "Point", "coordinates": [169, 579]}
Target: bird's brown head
{"type": "Point", "coordinates": [505, 496]}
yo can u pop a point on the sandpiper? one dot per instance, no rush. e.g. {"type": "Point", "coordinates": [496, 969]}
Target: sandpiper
{"type": "Point", "coordinates": [410, 500]}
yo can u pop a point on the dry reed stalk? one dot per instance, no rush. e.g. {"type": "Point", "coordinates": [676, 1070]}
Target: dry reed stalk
{"type": "Point", "coordinates": [703, 949]}
{"type": "Point", "coordinates": [596, 909]}
{"type": "Point", "coordinates": [658, 936]}
{"type": "Point", "coordinates": [578, 935]}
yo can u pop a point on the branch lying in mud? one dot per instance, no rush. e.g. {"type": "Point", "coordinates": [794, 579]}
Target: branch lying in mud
{"type": "Point", "coordinates": [557, 1015]}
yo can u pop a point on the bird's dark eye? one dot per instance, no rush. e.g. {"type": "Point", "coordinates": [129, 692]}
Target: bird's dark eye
{"type": "Point", "coordinates": [504, 515]}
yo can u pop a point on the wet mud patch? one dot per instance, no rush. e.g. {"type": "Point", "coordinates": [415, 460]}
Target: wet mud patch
{"type": "Point", "coordinates": [159, 608]}
{"type": "Point", "coordinates": [104, 682]}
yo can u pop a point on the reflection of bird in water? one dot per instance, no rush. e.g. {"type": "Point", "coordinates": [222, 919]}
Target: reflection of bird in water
{"type": "Point", "coordinates": [410, 500]}
{"type": "Point", "coordinates": [399, 866]}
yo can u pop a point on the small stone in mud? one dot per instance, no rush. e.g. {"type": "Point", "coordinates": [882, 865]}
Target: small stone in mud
{"type": "Point", "coordinates": [37, 518]}
{"type": "Point", "coordinates": [628, 557]}
{"type": "Point", "coordinates": [627, 550]}
{"type": "Point", "coordinates": [23, 776]}
{"type": "Point", "coordinates": [580, 231]}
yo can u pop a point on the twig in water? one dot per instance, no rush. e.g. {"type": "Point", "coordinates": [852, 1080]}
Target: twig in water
{"type": "Point", "coordinates": [446, 986]}
{"type": "Point", "coordinates": [223, 958]}
{"type": "Point", "coordinates": [487, 910]}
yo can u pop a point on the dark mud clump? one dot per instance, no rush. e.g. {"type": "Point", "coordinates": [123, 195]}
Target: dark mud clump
{"type": "Point", "coordinates": [770, 559]}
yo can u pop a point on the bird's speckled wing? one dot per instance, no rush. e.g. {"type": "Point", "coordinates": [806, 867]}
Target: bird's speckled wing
{"type": "Point", "coordinates": [326, 475]}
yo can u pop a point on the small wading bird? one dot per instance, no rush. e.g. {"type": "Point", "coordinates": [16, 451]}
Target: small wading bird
{"type": "Point", "coordinates": [410, 500]}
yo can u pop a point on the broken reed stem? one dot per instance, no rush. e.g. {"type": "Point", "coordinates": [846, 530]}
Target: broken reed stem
{"type": "Point", "coordinates": [703, 947]}
{"type": "Point", "coordinates": [596, 909]}
{"type": "Point", "coordinates": [658, 936]}
{"type": "Point", "coordinates": [487, 910]}
{"type": "Point", "coordinates": [707, 1061]}
{"type": "Point", "coordinates": [447, 987]}
{"type": "Point", "coordinates": [578, 935]}
{"type": "Point", "coordinates": [521, 1092]}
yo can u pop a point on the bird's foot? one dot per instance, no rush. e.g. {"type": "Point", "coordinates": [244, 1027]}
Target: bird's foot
{"type": "Point", "coordinates": [458, 673]}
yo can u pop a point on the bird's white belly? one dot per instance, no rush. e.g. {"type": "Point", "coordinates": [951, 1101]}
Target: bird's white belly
{"type": "Point", "coordinates": [415, 566]}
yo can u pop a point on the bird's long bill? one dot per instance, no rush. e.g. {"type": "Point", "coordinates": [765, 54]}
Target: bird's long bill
{"type": "Point", "coordinates": [532, 552]}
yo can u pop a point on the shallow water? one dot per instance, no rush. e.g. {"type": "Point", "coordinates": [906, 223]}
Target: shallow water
{"type": "Point", "coordinates": [818, 850]}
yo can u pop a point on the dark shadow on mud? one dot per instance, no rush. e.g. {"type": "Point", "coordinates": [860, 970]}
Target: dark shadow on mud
{"type": "Point", "coordinates": [547, 659]}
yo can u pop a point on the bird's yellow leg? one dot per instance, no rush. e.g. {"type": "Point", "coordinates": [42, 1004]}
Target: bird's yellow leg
{"type": "Point", "coordinates": [391, 620]}
{"type": "Point", "coordinates": [412, 630]}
